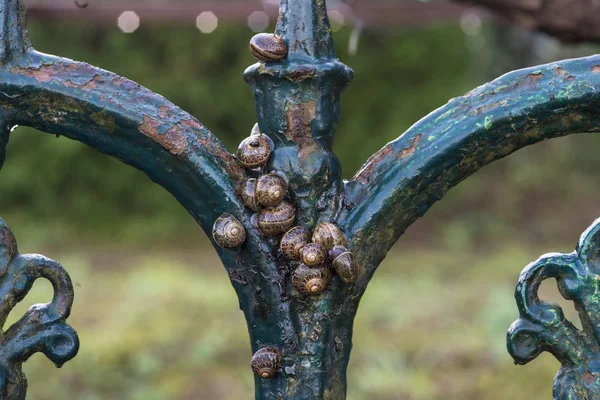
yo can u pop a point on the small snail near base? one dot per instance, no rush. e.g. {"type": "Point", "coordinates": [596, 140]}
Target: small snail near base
{"type": "Point", "coordinates": [268, 47]}
{"type": "Point", "coordinates": [270, 190]}
{"type": "Point", "coordinates": [275, 221]}
{"type": "Point", "coordinates": [314, 255]}
{"type": "Point", "coordinates": [293, 241]}
{"type": "Point", "coordinates": [344, 263]}
{"type": "Point", "coordinates": [311, 281]}
{"type": "Point", "coordinates": [266, 362]}
{"type": "Point", "coordinates": [329, 235]}
{"type": "Point", "coordinates": [254, 151]}
{"type": "Point", "coordinates": [228, 232]}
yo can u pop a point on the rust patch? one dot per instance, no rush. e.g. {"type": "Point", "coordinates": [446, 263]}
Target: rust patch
{"type": "Point", "coordinates": [535, 77]}
{"type": "Point", "coordinates": [89, 85]}
{"type": "Point", "coordinates": [596, 69]}
{"type": "Point", "coordinates": [411, 149]}
{"type": "Point", "coordinates": [163, 111]}
{"type": "Point", "coordinates": [569, 78]}
{"type": "Point", "coordinates": [173, 140]}
{"type": "Point", "coordinates": [558, 71]}
{"type": "Point", "coordinates": [299, 118]}
{"type": "Point", "coordinates": [42, 74]}
{"type": "Point", "coordinates": [301, 74]}
{"type": "Point", "coordinates": [365, 174]}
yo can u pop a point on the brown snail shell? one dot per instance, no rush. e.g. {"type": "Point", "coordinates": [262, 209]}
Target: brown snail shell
{"type": "Point", "coordinates": [270, 190]}
{"type": "Point", "coordinates": [344, 264]}
{"type": "Point", "coordinates": [247, 194]}
{"type": "Point", "coordinates": [312, 281]}
{"type": "Point", "coordinates": [329, 235]}
{"type": "Point", "coordinates": [228, 232]}
{"type": "Point", "coordinates": [274, 221]}
{"type": "Point", "coordinates": [254, 151]}
{"type": "Point", "coordinates": [268, 47]}
{"type": "Point", "coordinates": [314, 255]}
{"type": "Point", "coordinates": [294, 240]}
{"type": "Point", "coordinates": [266, 362]}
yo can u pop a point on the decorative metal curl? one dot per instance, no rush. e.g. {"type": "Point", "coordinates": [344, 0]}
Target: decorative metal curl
{"type": "Point", "coordinates": [542, 326]}
{"type": "Point", "coordinates": [43, 327]}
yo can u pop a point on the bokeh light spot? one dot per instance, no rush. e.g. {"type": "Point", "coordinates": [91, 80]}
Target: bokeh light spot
{"type": "Point", "coordinates": [336, 19]}
{"type": "Point", "coordinates": [258, 21]}
{"type": "Point", "coordinates": [128, 22]}
{"type": "Point", "coordinates": [207, 22]}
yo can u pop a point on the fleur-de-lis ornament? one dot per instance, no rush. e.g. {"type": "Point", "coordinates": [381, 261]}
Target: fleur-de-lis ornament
{"type": "Point", "coordinates": [43, 327]}
{"type": "Point", "coordinates": [542, 326]}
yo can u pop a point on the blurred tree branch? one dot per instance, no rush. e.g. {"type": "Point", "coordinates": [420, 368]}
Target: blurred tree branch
{"type": "Point", "coordinates": [568, 20]}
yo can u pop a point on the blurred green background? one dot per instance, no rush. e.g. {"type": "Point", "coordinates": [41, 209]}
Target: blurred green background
{"type": "Point", "coordinates": [155, 312]}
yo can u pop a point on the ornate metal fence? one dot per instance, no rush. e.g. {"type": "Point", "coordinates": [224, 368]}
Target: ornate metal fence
{"type": "Point", "coordinates": [299, 244]}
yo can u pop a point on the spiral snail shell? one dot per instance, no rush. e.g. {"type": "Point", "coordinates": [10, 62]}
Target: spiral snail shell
{"type": "Point", "coordinates": [270, 190]}
{"type": "Point", "coordinates": [254, 151]}
{"type": "Point", "coordinates": [314, 255]}
{"type": "Point", "coordinates": [228, 232]}
{"type": "Point", "coordinates": [312, 281]}
{"type": "Point", "coordinates": [329, 235]}
{"type": "Point", "coordinates": [344, 263]}
{"type": "Point", "coordinates": [268, 47]}
{"type": "Point", "coordinates": [274, 221]}
{"type": "Point", "coordinates": [293, 241]}
{"type": "Point", "coordinates": [266, 362]}
{"type": "Point", "coordinates": [248, 194]}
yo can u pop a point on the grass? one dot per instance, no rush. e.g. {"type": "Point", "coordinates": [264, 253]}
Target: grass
{"type": "Point", "coordinates": [159, 325]}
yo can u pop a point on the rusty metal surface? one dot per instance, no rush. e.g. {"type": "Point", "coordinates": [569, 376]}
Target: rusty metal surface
{"type": "Point", "coordinates": [301, 334]}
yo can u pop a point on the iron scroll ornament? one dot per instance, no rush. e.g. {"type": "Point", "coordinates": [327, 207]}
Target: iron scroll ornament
{"type": "Point", "coordinates": [43, 327]}
{"type": "Point", "coordinates": [298, 96]}
{"type": "Point", "coordinates": [542, 326]}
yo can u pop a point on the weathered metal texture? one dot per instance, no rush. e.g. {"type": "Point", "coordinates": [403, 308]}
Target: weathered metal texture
{"type": "Point", "coordinates": [43, 328]}
{"type": "Point", "coordinates": [543, 326]}
{"type": "Point", "coordinates": [298, 107]}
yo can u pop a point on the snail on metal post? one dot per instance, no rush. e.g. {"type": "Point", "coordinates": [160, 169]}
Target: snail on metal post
{"type": "Point", "coordinates": [275, 221]}
{"type": "Point", "coordinates": [228, 232]}
{"type": "Point", "coordinates": [311, 281]}
{"type": "Point", "coordinates": [270, 190]}
{"type": "Point", "coordinates": [293, 241]}
{"type": "Point", "coordinates": [267, 47]}
{"type": "Point", "coordinates": [329, 235]}
{"type": "Point", "coordinates": [314, 255]}
{"type": "Point", "coordinates": [344, 263]}
{"type": "Point", "coordinates": [254, 151]}
{"type": "Point", "coordinates": [266, 362]}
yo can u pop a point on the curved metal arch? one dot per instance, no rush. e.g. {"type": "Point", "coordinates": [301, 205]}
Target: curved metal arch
{"type": "Point", "coordinates": [399, 183]}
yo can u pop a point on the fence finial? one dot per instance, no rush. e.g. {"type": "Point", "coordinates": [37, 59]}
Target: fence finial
{"type": "Point", "coordinates": [304, 25]}
{"type": "Point", "coordinates": [14, 39]}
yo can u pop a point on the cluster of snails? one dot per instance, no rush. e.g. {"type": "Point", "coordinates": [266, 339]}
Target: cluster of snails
{"type": "Point", "coordinates": [318, 255]}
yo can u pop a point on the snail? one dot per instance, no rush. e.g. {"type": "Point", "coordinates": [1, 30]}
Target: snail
{"type": "Point", "coordinates": [228, 232]}
{"type": "Point", "coordinates": [274, 221]}
{"type": "Point", "coordinates": [312, 281]}
{"type": "Point", "coordinates": [266, 362]}
{"type": "Point", "coordinates": [344, 263]}
{"type": "Point", "coordinates": [268, 47]}
{"type": "Point", "coordinates": [254, 151]}
{"type": "Point", "coordinates": [270, 190]}
{"type": "Point", "coordinates": [293, 241]}
{"type": "Point", "coordinates": [329, 235]}
{"type": "Point", "coordinates": [247, 194]}
{"type": "Point", "coordinates": [314, 255]}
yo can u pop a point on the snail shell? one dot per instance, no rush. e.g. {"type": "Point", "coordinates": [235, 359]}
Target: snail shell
{"type": "Point", "coordinates": [329, 235]}
{"type": "Point", "coordinates": [254, 151]}
{"type": "Point", "coordinates": [228, 232]}
{"type": "Point", "coordinates": [270, 190]}
{"type": "Point", "coordinates": [247, 195]}
{"type": "Point", "coordinates": [268, 47]}
{"type": "Point", "coordinates": [293, 241]}
{"type": "Point", "coordinates": [266, 362]}
{"type": "Point", "coordinates": [344, 263]}
{"type": "Point", "coordinates": [274, 221]}
{"type": "Point", "coordinates": [312, 281]}
{"type": "Point", "coordinates": [314, 255]}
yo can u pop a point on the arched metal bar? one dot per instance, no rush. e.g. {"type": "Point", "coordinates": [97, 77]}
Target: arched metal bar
{"type": "Point", "coordinates": [118, 117]}
{"type": "Point", "coordinates": [399, 183]}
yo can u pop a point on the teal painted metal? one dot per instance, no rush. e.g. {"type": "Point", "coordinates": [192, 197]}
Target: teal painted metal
{"type": "Point", "coordinates": [298, 106]}
{"type": "Point", "coordinates": [543, 326]}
